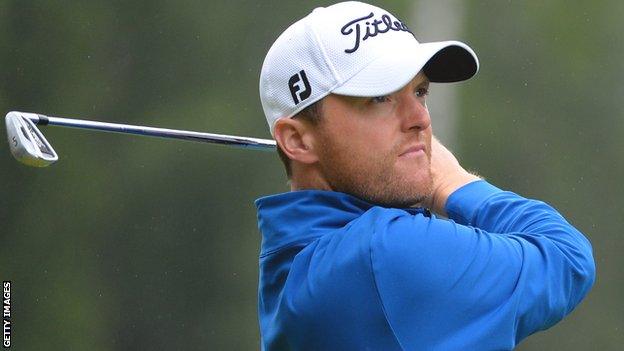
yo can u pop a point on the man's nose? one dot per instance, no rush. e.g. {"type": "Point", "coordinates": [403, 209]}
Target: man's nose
{"type": "Point", "coordinates": [415, 115]}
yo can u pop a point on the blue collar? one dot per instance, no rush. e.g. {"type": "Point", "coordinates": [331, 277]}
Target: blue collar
{"type": "Point", "coordinates": [301, 216]}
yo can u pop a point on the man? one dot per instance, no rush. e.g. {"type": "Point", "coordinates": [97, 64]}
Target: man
{"type": "Point", "coordinates": [352, 258]}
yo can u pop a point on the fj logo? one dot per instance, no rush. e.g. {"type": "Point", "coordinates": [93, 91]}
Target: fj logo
{"type": "Point", "coordinates": [294, 84]}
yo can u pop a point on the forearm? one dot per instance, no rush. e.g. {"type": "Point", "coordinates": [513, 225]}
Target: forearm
{"type": "Point", "coordinates": [549, 251]}
{"type": "Point", "coordinates": [558, 268]}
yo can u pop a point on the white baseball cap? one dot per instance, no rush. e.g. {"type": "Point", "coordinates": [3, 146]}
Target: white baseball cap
{"type": "Point", "coordinates": [355, 49]}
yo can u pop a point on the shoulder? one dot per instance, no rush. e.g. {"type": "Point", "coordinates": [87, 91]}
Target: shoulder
{"type": "Point", "coordinates": [381, 218]}
{"type": "Point", "coordinates": [395, 235]}
{"type": "Point", "coordinates": [330, 290]}
{"type": "Point", "coordinates": [417, 252]}
{"type": "Point", "coordinates": [341, 260]}
{"type": "Point", "coordinates": [390, 228]}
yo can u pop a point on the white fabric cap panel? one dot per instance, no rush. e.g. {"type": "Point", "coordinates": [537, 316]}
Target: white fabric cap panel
{"type": "Point", "coordinates": [351, 38]}
{"type": "Point", "coordinates": [288, 57]}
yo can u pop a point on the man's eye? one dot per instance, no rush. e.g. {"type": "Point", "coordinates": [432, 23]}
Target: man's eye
{"type": "Point", "coordinates": [421, 92]}
{"type": "Point", "coordinates": [379, 99]}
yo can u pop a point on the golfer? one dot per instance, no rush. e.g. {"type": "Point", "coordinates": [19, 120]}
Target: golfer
{"type": "Point", "coordinates": [385, 242]}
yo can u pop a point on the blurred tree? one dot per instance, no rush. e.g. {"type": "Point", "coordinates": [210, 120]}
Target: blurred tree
{"type": "Point", "coordinates": [543, 119]}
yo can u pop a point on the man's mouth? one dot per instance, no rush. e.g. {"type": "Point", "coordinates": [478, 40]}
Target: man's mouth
{"type": "Point", "coordinates": [413, 151]}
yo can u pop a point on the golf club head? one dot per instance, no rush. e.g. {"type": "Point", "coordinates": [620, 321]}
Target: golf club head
{"type": "Point", "coordinates": [27, 143]}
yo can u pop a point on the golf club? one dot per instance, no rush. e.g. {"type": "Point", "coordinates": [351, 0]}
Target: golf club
{"type": "Point", "coordinates": [29, 146]}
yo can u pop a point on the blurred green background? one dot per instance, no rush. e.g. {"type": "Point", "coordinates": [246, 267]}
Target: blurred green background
{"type": "Point", "coordinates": [131, 243]}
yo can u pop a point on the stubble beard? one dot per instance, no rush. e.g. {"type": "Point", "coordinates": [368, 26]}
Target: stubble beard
{"type": "Point", "coordinates": [375, 178]}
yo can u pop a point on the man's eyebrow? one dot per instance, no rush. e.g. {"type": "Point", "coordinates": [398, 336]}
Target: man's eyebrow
{"type": "Point", "coordinates": [424, 83]}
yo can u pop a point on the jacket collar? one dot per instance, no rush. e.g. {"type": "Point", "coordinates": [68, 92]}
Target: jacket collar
{"type": "Point", "coordinates": [301, 216]}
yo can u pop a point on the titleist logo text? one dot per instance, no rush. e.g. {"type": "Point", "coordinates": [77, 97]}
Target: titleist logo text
{"type": "Point", "coordinates": [374, 27]}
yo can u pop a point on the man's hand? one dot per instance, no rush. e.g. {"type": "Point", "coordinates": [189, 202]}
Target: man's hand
{"type": "Point", "coordinates": [448, 176]}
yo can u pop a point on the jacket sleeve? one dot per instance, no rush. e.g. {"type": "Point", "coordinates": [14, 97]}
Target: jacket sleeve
{"type": "Point", "coordinates": [501, 269]}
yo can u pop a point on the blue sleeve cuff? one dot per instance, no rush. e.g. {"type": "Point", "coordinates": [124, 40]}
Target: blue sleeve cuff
{"type": "Point", "coordinates": [463, 204]}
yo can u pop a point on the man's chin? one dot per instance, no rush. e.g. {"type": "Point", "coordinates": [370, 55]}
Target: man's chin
{"type": "Point", "coordinates": [400, 194]}
{"type": "Point", "coordinates": [399, 199]}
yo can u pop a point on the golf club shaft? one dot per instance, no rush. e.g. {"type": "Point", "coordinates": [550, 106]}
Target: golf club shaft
{"type": "Point", "coordinates": [243, 142]}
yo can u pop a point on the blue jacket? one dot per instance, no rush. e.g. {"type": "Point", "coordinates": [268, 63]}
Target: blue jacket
{"type": "Point", "coordinates": [338, 273]}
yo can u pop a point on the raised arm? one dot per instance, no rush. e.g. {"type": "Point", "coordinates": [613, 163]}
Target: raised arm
{"type": "Point", "coordinates": [501, 269]}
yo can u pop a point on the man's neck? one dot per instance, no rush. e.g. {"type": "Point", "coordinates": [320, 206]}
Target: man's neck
{"type": "Point", "coordinates": [308, 179]}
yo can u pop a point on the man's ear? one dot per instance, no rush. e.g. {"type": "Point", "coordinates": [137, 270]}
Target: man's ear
{"type": "Point", "coordinates": [296, 139]}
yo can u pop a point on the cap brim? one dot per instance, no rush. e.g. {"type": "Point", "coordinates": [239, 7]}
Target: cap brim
{"type": "Point", "coordinates": [442, 62]}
